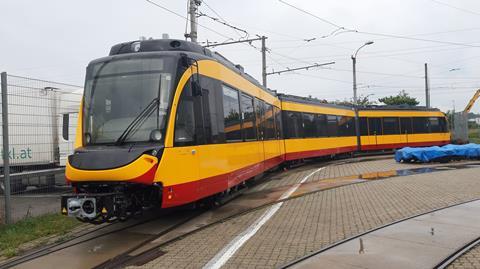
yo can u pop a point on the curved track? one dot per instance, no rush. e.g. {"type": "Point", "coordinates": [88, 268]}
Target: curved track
{"type": "Point", "coordinates": [450, 259]}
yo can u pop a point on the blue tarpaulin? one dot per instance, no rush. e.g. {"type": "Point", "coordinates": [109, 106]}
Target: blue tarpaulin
{"type": "Point", "coordinates": [432, 154]}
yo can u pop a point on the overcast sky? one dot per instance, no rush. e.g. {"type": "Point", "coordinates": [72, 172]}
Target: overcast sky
{"type": "Point", "coordinates": [55, 40]}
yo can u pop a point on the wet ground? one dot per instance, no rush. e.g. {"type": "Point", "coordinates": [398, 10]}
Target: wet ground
{"type": "Point", "coordinates": [317, 203]}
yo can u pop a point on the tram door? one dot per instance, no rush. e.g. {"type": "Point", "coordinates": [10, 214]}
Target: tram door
{"type": "Point", "coordinates": [374, 130]}
{"type": "Point", "coordinates": [260, 123]}
{"type": "Point", "coordinates": [405, 129]}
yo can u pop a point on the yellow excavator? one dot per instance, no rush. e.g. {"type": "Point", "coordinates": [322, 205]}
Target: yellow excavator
{"type": "Point", "coordinates": [472, 102]}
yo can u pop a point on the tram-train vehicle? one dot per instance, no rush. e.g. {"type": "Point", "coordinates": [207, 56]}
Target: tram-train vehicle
{"type": "Point", "coordinates": [165, 123]}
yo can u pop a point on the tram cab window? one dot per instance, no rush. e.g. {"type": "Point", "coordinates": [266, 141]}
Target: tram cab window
{"type": "Point", "coordinates": [443, 124]}
{"type": "Point", "coordinates": [293, 124]}
{"type": "Point", "coordinates": [248, 117]}
{"type": "Point", "coordinates": [390, 126]}
{"type": "Point", "coordinates": [375, 126]}
{"type": "Point", "coordinates": [309, 127]}
{"type": "Point", "coordinates": [434, 123]}
{"type": "Point", "coordinates": [332, 126]}
{"type": "Point", "coordinates": [406, 126]}
{"type": "Point", "coordinates": [363, 122]}
{"type": "Point", "coordinates": [420, 125]}
{"type": "Point", "coordinates": [231, 115]}
{"type": "Point", "coordinates": [269, 122]}
{"type": "Point", "coordinates": [321, 123]}
{"type": "Point", "coordinates": [278, 122]}
{"type": "Point", "coordinates": [346, 126]}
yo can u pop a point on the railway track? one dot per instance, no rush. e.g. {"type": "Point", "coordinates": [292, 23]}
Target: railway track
{"type": "Point", "coordinates": [144, 251]}
{"type": "Point", "coordinates": [450, 259]}
{"type": "Point", "coordinates": [443, 264]}
{"type": "Point", "coordinates": [148, 251]}
{"type": "Point", "coordinates": [88, 237]}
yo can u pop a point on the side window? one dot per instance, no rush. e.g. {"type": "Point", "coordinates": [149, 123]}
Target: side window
{"type": "Point", "coordinates": [363, 122]}
{"type": "Point", "coordinates": [435, 125]}
{"type": "Point", "coordinates": [390, 126]}
{"type": "Point", "coordinates": [332, 127]}
{"type": "Point", "coordinates": [65, 126]}
{"type": "Point", "coordinates": [420, 125]}
{"type": "Point", "coordinates": [375, 126]}
{"type": "Point", "coordinates": [231, 114]}
{"type": "Point", "coordinates": [406, 126]}
{"type": "Point", "coordinates": [248, 116]}
{"type": "Point", "coordinates": [185, 121]}
{"type": "Point", "coordinates": [212, 111]}
{"type": "Point", "coordinates": [309, 126]}
{"type": "Point", "coordinates": [321, 123]}
{"type": "Point", "coordinates": [293, 124]}
{"type": "Point", "coordinates": [278, 122]}
{"type": "Point", "coordinates": [346, 126]}
{"type": "Point", "coordinates": [269, 122]}
{"type": "Point", "coordinates": [443, 124]}
{"type": "Point", "coordinates": [259, 118]}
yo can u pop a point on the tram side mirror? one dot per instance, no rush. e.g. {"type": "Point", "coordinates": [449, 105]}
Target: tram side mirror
{"type": "Point", "coordinates": [184, 60]}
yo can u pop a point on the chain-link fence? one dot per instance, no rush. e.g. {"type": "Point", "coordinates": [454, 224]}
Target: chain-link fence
{"type": "Point", "coordinates": [41, 121]}
{"type": "Point", "coordinates": [460, 128]}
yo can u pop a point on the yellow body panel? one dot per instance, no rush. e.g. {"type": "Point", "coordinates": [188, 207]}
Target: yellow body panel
{"type": "Point", "coordinates": [131, 171]}
{"type": "Point", "coordinates": [396, 113]}
{"type": "Point", "coordinates": [309, 144]}
{"type": "Point", "coordinates": [291, 106]}
{"type": "Point", "coordinates": [186, 164]}
{"type": "Point", "coordinates": [79, 132]}
{"type": "Point", "coordinates": [403, 138]}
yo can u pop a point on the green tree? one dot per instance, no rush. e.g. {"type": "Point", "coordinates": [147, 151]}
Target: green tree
{"type": "Point", "coordinates": [401, 99]}
{"type": "Point", "coordinates": [363, 100]}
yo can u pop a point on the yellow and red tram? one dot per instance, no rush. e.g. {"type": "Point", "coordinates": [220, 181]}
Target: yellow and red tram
{"type": "Point", "coordinates": [167, 122]}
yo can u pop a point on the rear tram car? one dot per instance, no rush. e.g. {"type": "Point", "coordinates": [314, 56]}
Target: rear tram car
{"type": "Point", "coordinates": [165, 123]}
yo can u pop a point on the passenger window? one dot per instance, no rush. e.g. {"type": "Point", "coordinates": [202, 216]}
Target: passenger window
{"type": "Point", "coordinates": [278, 122]}
{"type": "Point", "coordinates": [212, 113]}
{"type": "Point", "coordinates": [259, 118]}
{"type": "Point", "coordinates": [332, 127]}
{"type": "Point", "coordinates": [390, 126]}
{"type": "Point", "coordinates": [269, 122]}
{"type": "Point", "coordinates": [309, 126]}
{"type": "Point", "coordinates": [346, 126]}
{"type": "Point", "coordinates": [65, 126]}
{"type": "Point", "coordinates": [248, 116]}
{"type": "Point", "coordinates": [420, 125]}
{"type": "Point", "coordinates": [321, 123]}
{"type": "Point", "coordinates": [375, 126]}
{"type": "Point", "coordinates": [406, 125]}
{"type": "Point", "coordinates": [363, 126]}
{"type": "Point", "coordinates": [231, 115]}
{"type": "Point", "coordinates": [293, 124]}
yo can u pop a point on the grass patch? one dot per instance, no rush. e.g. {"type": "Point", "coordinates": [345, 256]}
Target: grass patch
{"type": "Point", "coordinates": [474, 135]}
{"type": "Point", "coordinates": [26, 230]}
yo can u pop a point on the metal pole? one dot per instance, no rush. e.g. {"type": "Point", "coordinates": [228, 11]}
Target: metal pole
{"type": "Point", "coordinates": [427, 88]}
{"type": "Point", "coordinates": [264, 62]}
{"type": "Point", "coordinates": [6, 160]}
{"type": "Point", "coordinates": [355, 103]}
{"type": "Point", "coordinates": [193, 19]}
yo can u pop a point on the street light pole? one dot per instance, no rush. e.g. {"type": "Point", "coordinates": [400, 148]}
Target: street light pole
{"type": "Point", "coordinates": [355, 98]}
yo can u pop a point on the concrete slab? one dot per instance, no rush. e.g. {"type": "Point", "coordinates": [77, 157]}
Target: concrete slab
{"type": "Point", "coordinates": [421, 242]}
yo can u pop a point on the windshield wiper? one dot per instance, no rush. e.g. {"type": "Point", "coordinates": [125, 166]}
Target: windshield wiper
{"type": "Point", "coordinates": [138, 121]}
